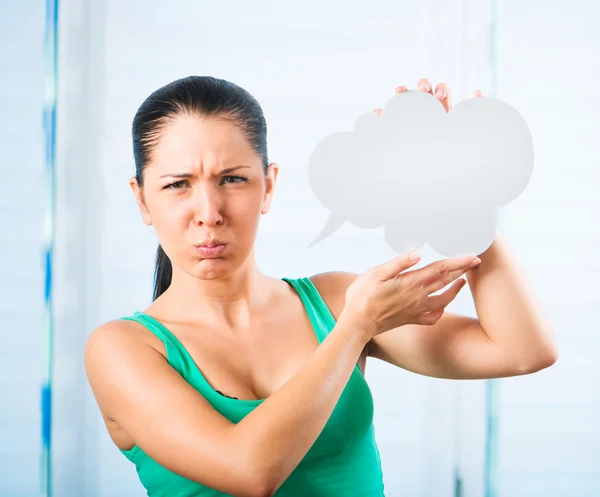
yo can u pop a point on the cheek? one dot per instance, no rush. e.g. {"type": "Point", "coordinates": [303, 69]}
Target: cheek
{"type": "Point", "coordinates": [243, 216]}
{"type": "Point", "coordinates": [176, 212]}
{"type": "Point", "coordinates": [174, 217]}
{"type": "Point", "coordinates": [246, 206]}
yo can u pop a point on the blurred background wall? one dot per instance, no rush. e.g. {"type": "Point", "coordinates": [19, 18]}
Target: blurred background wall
{"type": "Point", "coordinates": [23, 352]}
{"type": "Point", "coordinates": [313, 66]}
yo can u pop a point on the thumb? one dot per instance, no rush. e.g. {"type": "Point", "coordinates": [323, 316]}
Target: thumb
{"type": "Point", "coordinates": [393, 267]}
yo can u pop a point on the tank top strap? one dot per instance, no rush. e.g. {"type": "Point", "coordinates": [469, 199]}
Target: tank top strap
{"type": "Point", "coordinates": [319, 314]}
{"type": "Point", "coordinates": [177, 355]}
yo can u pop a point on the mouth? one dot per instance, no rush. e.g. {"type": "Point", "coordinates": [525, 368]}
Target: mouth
{"type": "Point", "coordinates": [210, 249]}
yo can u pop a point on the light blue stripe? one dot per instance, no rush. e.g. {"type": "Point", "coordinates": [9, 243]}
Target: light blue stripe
{"type": "Point", "coordinates": [49, 125]}
{"type": "Point", "coordinates": [491, 386]}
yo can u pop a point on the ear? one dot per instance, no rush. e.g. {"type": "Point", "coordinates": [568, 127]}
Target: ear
{"type": "Point", "coordinates": [139, 197]}
{"type": "Point", "coordinates": [271, 178]}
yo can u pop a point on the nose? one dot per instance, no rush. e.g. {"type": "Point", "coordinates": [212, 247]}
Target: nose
{"type": "Point", "coordinates": [207, 206]}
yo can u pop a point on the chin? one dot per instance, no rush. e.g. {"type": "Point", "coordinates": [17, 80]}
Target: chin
{"type": "Point", "coordinates": [214, 269]}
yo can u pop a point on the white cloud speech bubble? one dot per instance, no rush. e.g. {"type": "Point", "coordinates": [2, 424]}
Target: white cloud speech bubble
{"type": "Point", "coordinates": [424, 174]}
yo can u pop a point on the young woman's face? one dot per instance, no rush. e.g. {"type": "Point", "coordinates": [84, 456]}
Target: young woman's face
{"type": "Point", "coordinates": [204, 184]}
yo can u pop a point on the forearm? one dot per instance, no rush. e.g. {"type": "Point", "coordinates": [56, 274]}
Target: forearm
{"type": "Point", "coordinates": [284, 427]}
{"type": "Point", "coordinates": [508, 311]}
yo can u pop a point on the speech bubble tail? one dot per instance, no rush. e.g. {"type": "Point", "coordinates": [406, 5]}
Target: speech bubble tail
{"type": "Point", "coordinates": [333, 223]}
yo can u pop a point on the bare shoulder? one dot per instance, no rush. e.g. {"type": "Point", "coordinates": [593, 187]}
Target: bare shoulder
{"type": "Point", "coordinates": [109, 335]}
{"type": "Point", "coordinates": [122, 333]}
{"type": "Point", "coordinates": [114, 330]}
{"type": "Point", "coordinates": [110, 347]}
{"type": "Point", "coordinates": [332, 287]}
{"type": "Point", "coordinates": [110, 352]}
{"type": "Point", "coordinates": [117, 334]}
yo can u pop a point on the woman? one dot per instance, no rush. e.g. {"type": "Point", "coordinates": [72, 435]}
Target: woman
{"type": "Point", "coordinates": [236, 383]}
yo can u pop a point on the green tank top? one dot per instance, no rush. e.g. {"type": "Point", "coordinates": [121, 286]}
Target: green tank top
{"type": "Point", "coordinates": [344, 460]}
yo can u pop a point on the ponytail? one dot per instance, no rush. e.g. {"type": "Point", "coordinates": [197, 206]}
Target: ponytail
{"type": "Point", "coordinates": [162, 273]}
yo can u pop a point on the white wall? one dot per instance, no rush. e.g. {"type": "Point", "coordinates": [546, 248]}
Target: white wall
{"type": "Point", "coordinates": [78, 276]}
{"type": "Point", "coordinates": [21, 220]}
{"type": "Point", "coordinates": [548, 63]}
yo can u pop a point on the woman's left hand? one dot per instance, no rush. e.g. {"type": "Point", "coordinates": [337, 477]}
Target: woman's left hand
{"type": "Point", "coordinates": [442, 92]}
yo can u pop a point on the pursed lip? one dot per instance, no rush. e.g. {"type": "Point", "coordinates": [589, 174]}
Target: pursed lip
{"type": "Point", "coordinates": [211, 252]}
{"type": "Point", "coordinates": [210, 243]}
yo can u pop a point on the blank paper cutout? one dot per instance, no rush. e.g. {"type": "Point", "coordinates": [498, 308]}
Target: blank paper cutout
{"type": "Point", "coordinates": [423, 174]}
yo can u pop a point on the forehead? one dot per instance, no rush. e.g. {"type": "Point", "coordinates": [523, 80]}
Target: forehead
{"type": "Point", "coordinates": [191, 142]}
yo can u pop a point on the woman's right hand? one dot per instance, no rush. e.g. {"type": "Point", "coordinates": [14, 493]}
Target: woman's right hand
{"type": "Point", "coordinates": [387, 296]}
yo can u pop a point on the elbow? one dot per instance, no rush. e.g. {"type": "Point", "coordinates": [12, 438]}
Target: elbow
{"type": "Point", "coordinates": [254, 486]}
{"type": "Point", "coordinates": [551, 356]}
{"type": "Point", "coordinates": [263, 491]}
{"type": "Point", "coordinates": [262, 484]}
{"type": "Point", "coordinates": [543, 359]}
{"type": "Point", "coordinates": [262, 487]}
{"type": "Point", "coordinates": [548, 355]}
{"type": "Point", "coordinates": [263, 472]}
{"type": "Point", "coordinates": [267, 492]}
{"type": "Point", "coordinates": [259, 482]}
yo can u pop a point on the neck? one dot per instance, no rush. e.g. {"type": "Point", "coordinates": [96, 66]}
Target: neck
{"type": "Point", "coordinates": [232, 300]}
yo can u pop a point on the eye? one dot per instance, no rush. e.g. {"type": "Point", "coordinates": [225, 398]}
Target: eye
{"type": "Point", "coordinates": [176, 185]}
{"type": "Point", "coordinates": [235, 179]}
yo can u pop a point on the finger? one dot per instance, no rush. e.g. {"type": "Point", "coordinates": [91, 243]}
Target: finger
{"type": "Point", "coordinates": [424, 85]}
{"type": "Point", "coordinates": [399, 89]}
{"type": "Point", "coordinates": [441, 273]}
{"type": "Point", "coordinates": [429, 318]}
{"type": "Point", "coordinates": [442, 93]}
{"type": "Point", "coordinates": [441, 301]}
{"type": "Point", "coordinates": [478, 94]}
{"type": "Point", "coordinates": [392, 268]}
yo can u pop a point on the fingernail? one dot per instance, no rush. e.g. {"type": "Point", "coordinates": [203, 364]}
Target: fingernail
{"type": "Point", "coordinates": [439, 95]}
{"type": "Point", "coordinates": [476, 262]}
{"type": "Point", "coordinates": [414, 255]}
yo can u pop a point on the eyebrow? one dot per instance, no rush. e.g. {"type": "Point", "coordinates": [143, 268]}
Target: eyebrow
{"type": "Point", "coordinates": [189, 175]}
